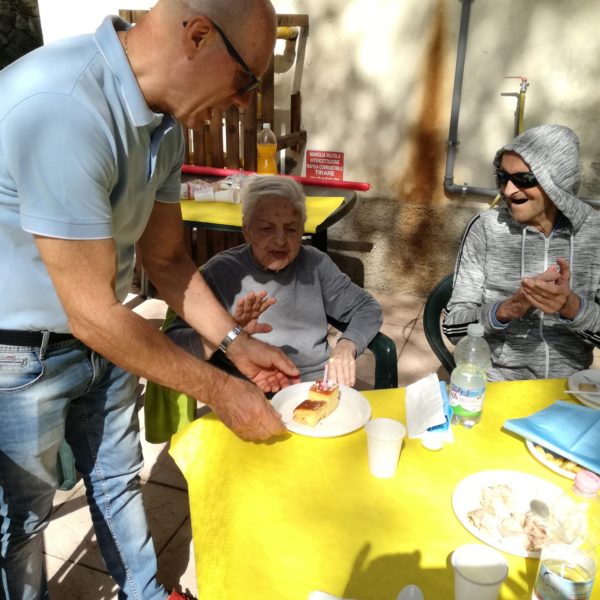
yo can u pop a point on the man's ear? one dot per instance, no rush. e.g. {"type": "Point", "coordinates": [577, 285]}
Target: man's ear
{"type": "Point", "coordinates": [195, 34]}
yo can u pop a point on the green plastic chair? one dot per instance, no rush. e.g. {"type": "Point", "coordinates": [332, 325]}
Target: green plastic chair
{"type": "Point", "coordinates": [436, 302]}
{"type": "Point", "coordinates": [383, 348]}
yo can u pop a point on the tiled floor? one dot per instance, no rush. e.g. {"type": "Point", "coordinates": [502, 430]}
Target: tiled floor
{"type": "Point", "coordinates": [75, 569]}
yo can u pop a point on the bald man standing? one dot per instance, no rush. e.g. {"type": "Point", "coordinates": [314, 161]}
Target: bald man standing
{"type": "Point", "coordinates": [90, 158]}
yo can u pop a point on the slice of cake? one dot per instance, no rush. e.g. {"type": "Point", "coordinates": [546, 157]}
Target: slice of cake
{"type": "Point", "coordinates": [310, 412]}
{"type": "Point", "coordinates": [323, 399]}
{"type": "Point", "coordinates": [326, 391]}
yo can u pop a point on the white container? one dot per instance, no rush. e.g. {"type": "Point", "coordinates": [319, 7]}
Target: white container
{"type": "Point", "coordinates": [384, 442]}
{"type": "Point", "coordinates": [478, 572]}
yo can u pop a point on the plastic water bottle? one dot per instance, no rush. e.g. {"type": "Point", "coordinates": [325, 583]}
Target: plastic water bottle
{"type": "Point", "coordinates": [266, 147]}
{"type": "Point", "coordinates": [468, 379]}
{"type": "Point", "coordinates": [568, 560]}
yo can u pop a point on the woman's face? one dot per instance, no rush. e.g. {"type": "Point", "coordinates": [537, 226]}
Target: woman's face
{"type": "Point", "coordinates": [274, 233]}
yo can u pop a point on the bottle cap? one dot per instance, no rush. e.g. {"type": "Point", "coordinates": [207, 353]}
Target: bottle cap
{"type": "Point", "coordinates": [475, 329]}
{"type": "Point", "coordinates": [266, 125]}
{"type": "Point", "coordinates": [587, 483]}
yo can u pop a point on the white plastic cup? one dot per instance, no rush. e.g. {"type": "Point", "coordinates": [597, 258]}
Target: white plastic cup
{"type": "Point", "coordinates": [478, 572]}
{"type": "Point", "coordinates": [384, 442]}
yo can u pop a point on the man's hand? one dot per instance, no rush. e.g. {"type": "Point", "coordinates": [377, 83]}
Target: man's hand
{"type": "Point", "coordinates": [249, 309]}
{"type": "Point", "coordinates": [243, 408]}
{"type": "Point", "coordinates": [550, 291]}
{"type": "Point", "coordinates": [267, 366]}
{"type": "Point", "coordinates": [342, 363]}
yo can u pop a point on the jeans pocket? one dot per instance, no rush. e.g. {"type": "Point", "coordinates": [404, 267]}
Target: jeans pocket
{"type": "Point", "coordinates": [19, 369]}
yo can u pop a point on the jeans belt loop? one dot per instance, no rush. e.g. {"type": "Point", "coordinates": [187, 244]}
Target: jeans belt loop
{"type": "Point", "coordinates": [44, 345]}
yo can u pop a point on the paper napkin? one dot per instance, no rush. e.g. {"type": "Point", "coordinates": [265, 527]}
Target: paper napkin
{"type": "Point", "coordinates": [568, 429]}
{"type": "Point", "coordinates": [425, 406]}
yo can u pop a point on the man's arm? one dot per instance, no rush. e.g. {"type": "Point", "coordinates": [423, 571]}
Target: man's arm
{"type": "Point", "coordinates": [83, 273]}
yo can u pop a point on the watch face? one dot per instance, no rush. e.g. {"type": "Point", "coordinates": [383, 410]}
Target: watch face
{"type": "Point", "coordinates": [229, 338]}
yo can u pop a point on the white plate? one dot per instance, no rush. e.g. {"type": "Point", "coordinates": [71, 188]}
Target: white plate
{"type": "Point", "coordinates": [525, 488]}
{"type": "Point", "coordinates": [552, 466]}
{"type": "Point", "coordinates": [589, 376]}
{"type": "Point", "coordinates": [352, 413]}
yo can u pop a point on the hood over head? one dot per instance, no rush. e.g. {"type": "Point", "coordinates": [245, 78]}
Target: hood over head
{"type": "Point", "coordinates": [552, 153]}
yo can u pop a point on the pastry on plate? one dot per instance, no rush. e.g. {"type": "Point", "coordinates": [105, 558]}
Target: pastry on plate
{"type": "Point", "coordinates": [587, 387]}
{"type": "Point", "coordinates": [323, 399]}
{"type": "Point", "coordinates": [558, 461]}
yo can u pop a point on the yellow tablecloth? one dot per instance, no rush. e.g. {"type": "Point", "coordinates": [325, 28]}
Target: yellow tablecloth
{"type": "Point", "coordinates": [221, 213]}
{"type": "Point", "coordinates": [276, 521]}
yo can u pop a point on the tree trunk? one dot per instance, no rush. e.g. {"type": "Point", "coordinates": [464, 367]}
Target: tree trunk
{"type": "Point", "coordinates": [20, 29]}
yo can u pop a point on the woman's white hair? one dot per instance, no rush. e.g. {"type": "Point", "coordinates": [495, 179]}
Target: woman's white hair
{"type": "Point", "coordinates": [271, 186]}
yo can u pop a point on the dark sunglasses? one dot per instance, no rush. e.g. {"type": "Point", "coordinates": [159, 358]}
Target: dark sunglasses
{"type": "Point", "coordinates": [521, 180]}
{"type": "Point", "coordinates": [254, 80]}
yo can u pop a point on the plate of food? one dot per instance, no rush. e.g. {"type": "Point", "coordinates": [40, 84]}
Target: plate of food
{"type": "Point", "coordinates": [506, 509]}
{"type": "Point", "coordinates": [316, 410]}
{"type": "Point", "coordinates": [555, 462]}
{"type": "Point", "coordinates": [586, 385]}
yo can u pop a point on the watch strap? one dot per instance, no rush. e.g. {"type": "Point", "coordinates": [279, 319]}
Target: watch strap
{"type": "Point", "coordinates": [231, 335]}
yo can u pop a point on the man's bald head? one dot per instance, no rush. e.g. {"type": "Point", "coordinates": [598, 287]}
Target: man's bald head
{"type": "Point", "coordinates": [192, 56]}
{"type": "Point", "coordinates": [250, 25]}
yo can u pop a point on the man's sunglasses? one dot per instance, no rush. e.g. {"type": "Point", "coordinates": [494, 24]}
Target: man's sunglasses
{"type": "Point", "coordinates": [254, 80]}
{"type": "Point", "coordinates": [521, 180]}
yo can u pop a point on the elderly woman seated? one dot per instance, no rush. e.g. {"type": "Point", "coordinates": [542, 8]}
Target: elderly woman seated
{"type": "Point", "coordinates": [298, 285]}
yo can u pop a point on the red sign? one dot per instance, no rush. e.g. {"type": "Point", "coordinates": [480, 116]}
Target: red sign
{"type": "Point", "coordinates": [325, 165]}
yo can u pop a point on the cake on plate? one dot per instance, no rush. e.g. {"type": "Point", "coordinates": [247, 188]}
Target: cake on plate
{"type": "Point", "coordinates": [323, 399]}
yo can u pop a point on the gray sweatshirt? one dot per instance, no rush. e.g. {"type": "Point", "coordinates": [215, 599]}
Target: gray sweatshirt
{"type": "Point", "coordinates": [307, 291]}
{"type": "Point", "coordinates": [495, 254]}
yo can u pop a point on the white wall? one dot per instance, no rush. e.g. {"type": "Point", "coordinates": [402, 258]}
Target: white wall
{"type": "Point", "coordinates": [377, 86]}
{"type": "Point", "coordinates": [63, 18]}
{"type": "Point", "coordinates": [367, 75]}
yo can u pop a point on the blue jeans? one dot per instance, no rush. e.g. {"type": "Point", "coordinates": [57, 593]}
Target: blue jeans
{"type": "Point", "coordinates": [67, 391]}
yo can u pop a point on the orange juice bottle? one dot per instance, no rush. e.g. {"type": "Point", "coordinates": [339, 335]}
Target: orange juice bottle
{"type": "Point", "coordinates": [266, 147]}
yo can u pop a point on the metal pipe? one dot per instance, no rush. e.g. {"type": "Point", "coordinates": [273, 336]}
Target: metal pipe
{"type": "Point", "coordinates": [453, 142]}
{"type": "Point", "coordinates": [466, 189]}
{"type": "Point", "coordinates": [594, 202]}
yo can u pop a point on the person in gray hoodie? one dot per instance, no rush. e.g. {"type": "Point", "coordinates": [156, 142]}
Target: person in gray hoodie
{"type": "Point", "coordinates": [529, 269]}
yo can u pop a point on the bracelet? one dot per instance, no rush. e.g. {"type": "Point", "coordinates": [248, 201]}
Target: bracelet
{"type": "Point", "coordinates": [229, 338]}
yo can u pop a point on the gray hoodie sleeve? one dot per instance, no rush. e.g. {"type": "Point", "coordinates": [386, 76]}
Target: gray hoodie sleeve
{"type": "Point", "coordinates": [347, 302]}
{"type": "Point", "coordinates": [587, 322]}
{"type": "Point", "coordinates": [466, 304]}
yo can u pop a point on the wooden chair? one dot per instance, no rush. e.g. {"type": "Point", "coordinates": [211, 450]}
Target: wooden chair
{"type": "Point", "coordinates": [229, 139]}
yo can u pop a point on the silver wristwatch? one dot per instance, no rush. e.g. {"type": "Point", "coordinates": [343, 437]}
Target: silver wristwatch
{"type": "Point", "coordinates": [229, 338]}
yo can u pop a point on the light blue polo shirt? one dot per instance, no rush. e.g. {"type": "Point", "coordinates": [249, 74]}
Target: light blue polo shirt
{"type": "Point", "coordinates": [82, 157]}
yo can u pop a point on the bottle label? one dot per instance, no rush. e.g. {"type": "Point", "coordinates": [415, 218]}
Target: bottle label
{"type": "Point", "coordinates": [466, 402]}
{"type": "Point", "coordinates": [574, 584]}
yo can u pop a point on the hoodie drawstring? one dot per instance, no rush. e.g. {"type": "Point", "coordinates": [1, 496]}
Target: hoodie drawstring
{"type": "Point", "coordinates": [523, 233]}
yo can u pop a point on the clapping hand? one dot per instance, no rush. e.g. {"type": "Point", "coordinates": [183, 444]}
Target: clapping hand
{"type": "Point", "coordinates": [550, 291]}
